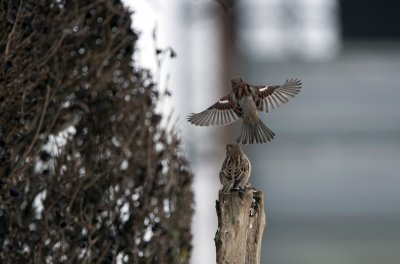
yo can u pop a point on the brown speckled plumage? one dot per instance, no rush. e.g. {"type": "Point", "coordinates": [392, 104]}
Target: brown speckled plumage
{"type": "Point", "coordinates": [245, 101]}
{"type": "Point", "coordinates": [236, 169]}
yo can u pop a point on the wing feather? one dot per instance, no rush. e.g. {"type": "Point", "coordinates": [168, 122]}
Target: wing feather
{"type": "Point", "coordinates": [277, 95]}
{"type": "Point", "coordinates": [221, 113]}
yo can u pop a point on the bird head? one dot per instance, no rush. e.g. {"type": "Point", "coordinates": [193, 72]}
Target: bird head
{"type": "Point", "coordinates": [236, 80]}
{"type": "Point", "coordinates": [233, 148]}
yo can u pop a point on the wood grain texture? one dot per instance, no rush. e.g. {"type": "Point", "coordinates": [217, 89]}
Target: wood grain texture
{"type": "Point", "coordinates": [241, 223]}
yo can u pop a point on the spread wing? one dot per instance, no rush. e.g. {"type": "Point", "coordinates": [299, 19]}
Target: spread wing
{"type": "Point", "coordinates": [274, 96]}
{"type": "Point", "coordinates": [221, 113]}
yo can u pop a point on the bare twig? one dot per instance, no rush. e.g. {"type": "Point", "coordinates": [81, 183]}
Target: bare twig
{"type": "Point", "coordinates": [39, 127]}
{"type": "Point", "coordinates": [12, 32]}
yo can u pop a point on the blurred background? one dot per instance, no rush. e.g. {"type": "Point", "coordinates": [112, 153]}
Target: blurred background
{"type": "Point", "coordinates": [331, 177]}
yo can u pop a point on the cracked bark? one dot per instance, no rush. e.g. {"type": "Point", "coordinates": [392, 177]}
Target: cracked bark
{"type": "Point", "coordinates": [241, 223]}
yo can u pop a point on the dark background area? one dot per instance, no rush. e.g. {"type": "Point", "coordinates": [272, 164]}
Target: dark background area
{"type": "Point", "coordinates": [370, 19]}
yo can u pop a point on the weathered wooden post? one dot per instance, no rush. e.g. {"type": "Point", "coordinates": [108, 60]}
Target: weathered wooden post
{"type": "Point", "coordinates": [241, 223]}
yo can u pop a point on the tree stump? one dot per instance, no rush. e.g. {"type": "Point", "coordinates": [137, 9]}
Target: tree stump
{"type": "Point", "coordinates": [241, 223]}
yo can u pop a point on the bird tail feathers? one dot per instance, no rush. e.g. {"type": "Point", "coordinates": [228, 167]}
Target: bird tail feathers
{"type": "Point", "coordinates": [254, 134]}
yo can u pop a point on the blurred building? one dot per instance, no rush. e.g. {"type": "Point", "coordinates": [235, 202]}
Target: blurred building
{"type": "Point", "coordinates": [281, 30]}
{"type": "Point", "coordinates": [331, 176]}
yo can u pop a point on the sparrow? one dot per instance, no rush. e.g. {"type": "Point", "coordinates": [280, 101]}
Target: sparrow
{"type": "Point", "coordinates": [58, 120]}
{"type": "Point", "coordinates": [246, 101]}
{"type": "Point", "coordinates": [69, 116]}
{"type": "Point", "coordinates": [236, 169]}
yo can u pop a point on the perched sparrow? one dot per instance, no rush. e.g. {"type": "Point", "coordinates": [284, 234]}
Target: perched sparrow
{"type": "Point", "coordinates": [245, 101]}
{"type": "Point", "coordinates": [69, 116]}
{"type": "Point", "coordinates": [235, 170]}
{"type": "Point", "coordinates": [59, 120]}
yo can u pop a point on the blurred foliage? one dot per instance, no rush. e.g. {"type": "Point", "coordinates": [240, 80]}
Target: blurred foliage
{"type": "Point", "coordinates": [115, 187]}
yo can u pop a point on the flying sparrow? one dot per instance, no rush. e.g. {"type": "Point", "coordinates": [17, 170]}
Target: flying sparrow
{"type": "Point", "coordinates": [245, 101]}
{"type": "Point", "coordinates": [236, 169]}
